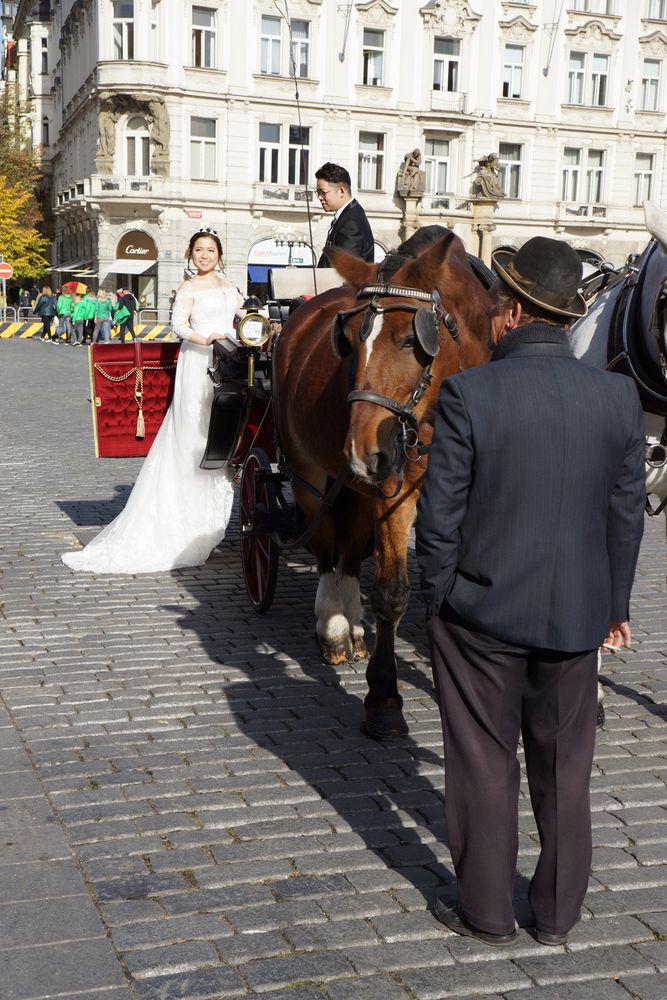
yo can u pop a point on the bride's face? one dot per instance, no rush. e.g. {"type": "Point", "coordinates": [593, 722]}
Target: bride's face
{"type": "Point", "coordinates": [205, 255]}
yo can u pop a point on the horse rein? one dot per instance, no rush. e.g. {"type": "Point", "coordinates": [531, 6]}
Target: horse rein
{"type": "Point", "coordinates": [408, 422]}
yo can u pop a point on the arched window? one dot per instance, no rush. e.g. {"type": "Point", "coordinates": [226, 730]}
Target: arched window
{"type": "Point", "coordinates": [138, 148]}
{"type": "Point", "coordinates": [45, 131]}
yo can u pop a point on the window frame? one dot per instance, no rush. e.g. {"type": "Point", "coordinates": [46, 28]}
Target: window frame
{"type": "Point", "coordinates": [296, 45]}
{"type": "Point", "coordinates": [122, 31]}
{"type": "Point", "coordinates": [511, 171]}
{"type": "Point", "coordinates": [447, 62]}
{"type": "Point", "coordinates": [508, 79]}
{"type": "Point", "coordinates": [137, 148]}
{"type": "Point", "coordinates": [204, 39]}
{"type": "Point", "coordinates": [595, 176]}
{"type": "Point", "coordinates": [369, 53]}
{"type": "Point", "coordinates": [643, 179]}
{"type": "Point", "coordinates": [433, 161]}
{"type": "Point", "coordinates": [204, 144]}
{"type": "Point", "coordinates": [269, 43]}
{"type": "Point", "coordinates": [571, 176]}
{"type": "Point", "coordinates": [298, 167]}
{"type": "Point", "coordinates": [274, 150]}
{"type": "Point", "coordinates": [371, 160]}
{"type": "Point", "coordinates": [662, 7]}
{"type": "Point", "coordinates": [650, 86]}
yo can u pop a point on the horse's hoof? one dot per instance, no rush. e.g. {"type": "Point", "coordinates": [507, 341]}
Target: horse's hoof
{"type": "Point", "coordinates": [384, 726]}
{"type": "Point", "coordinates": [359, 651]}
{"type": "Point", "coordinates": [335, 653]}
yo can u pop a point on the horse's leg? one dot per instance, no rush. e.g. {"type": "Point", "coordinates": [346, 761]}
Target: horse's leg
{"type": "Point", "coordinates": [353, 514]}
{"type": "Point", "coordinates": [332, 628]}
{"type": "Point", "coordinates": [389, 599]}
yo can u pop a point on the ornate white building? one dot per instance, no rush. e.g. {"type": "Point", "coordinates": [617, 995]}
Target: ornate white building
{"type": "Point", "coordinates": [155, 114]}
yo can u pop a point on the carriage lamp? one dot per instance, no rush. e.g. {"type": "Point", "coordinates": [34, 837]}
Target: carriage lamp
{"type": "Point", "coordinates": [253, 330]}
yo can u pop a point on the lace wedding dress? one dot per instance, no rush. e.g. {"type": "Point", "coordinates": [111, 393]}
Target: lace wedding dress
{"type": "Point", "coordinates": [177, 513]}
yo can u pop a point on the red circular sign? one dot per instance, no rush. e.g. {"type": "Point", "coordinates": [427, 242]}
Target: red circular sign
{"type": "Point", "coordinates": [6, 270]}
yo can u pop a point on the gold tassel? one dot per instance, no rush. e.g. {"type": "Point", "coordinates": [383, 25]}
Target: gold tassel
{"type": "Point", "coordinates": [141, 428]}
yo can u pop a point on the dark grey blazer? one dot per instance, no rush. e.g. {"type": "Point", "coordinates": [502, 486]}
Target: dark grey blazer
{"type": "Point", "coordinates": [532, 511]}
{"type": "Point", "coordinates": [352, 232]}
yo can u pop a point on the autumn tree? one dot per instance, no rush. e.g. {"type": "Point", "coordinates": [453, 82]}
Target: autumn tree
{"type": "Point", "coordinates": [21, 244]}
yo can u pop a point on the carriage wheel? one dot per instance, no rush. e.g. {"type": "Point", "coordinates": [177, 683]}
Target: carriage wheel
{"type": "Point", "coordinates": [259, 552]}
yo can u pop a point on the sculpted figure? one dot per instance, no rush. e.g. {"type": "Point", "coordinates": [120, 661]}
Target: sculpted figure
{"type": "Point", "coordinates": [486, 182]}
{"type": "Point", "coordinates": [159, 119]}
{"type": "Point", "coordinates": [411, 179]}
{"type": "Point", "coordinates": [107, 126]}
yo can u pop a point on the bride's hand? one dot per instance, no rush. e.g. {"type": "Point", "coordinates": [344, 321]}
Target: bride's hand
{"type": "Point", "coordinates": [212, 337]}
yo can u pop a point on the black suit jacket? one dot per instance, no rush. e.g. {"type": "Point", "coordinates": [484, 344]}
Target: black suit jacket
{"type": "Point", "coordinates": [352, 232]}
{"type": "Point", "coordinates": [532, 511]}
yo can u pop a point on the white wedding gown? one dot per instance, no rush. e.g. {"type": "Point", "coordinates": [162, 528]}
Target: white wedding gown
{"type": "Point", "coordinates": [177, 513]}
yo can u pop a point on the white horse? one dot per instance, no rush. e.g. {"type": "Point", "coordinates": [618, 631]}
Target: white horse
{"type": "Point", "coordinates": [626, 330]}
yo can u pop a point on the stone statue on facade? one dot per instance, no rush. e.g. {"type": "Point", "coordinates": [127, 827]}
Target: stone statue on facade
{"type": "Point", "coordinates": [486, 181]}
{"type": "Point", "coordinates": [158, 119]}
{"type": "Point", "coordinates": [411, 179]}
{"type": "Point", "coordinates": [107, 121]}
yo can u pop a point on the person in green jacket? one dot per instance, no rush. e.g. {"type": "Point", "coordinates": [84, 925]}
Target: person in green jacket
{"type": "Point", "coordinates": [78, 319]}
{"type": "Point", "coordinates": [64, 314]}
{"type": "Point", "coordinates": [103, 310]}
{"type": "Point", "coordinates": [90, 305]}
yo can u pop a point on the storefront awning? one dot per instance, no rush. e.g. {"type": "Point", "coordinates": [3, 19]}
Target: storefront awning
{"type": "Point", "coordinates": [71, 266]}
{"type": "Point", "coordinates": [124, 266]}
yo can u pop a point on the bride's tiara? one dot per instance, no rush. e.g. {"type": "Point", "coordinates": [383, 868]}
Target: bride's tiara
{"type": "Point", "coordinates": [205, 231]}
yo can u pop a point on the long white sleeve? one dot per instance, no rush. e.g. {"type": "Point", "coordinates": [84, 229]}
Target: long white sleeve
{"type": "Point", "coordinates": [180, 316]}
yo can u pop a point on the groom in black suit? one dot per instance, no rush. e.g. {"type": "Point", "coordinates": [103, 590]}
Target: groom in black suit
{"type": "Point", "coordinates": [528, 532]}
{"type": "Point", "coordinates": [350, 228]}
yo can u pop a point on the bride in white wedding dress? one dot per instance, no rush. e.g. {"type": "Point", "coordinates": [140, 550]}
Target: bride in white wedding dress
{"type": "Point", "coordinates": [177, 513]}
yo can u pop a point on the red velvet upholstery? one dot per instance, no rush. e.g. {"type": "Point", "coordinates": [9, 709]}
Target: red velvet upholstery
{"type": "Point", "coordinates": [116, 373]}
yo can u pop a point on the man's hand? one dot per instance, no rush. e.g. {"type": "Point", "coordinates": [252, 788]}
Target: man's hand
{"type": "Point", "coordinates": [619, 635]}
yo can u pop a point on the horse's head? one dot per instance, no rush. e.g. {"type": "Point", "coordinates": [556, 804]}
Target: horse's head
{"type": "Point", "coordinates": [406, 333]}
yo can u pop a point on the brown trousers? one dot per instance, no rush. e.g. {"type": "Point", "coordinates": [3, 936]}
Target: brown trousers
{"type": "Point", "coordinates": [489, 693]}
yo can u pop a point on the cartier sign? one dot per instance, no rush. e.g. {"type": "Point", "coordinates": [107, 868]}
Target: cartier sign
{"type": "Point", "coordinates": [136, 245]}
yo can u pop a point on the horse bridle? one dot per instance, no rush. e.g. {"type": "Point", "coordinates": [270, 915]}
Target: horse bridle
{"type": "Point", "coordinates": [427, 323]}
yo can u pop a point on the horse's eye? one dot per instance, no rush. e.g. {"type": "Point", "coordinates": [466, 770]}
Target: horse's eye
{"type": "Point", "coordinates": [408, 343]}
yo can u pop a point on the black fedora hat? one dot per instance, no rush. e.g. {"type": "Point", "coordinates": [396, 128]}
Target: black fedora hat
{"type": "Point", "coordinates": [546, 272]}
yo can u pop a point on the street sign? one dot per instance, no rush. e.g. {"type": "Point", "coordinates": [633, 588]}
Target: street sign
{"type": "Point", "coordinates": [6, 271]}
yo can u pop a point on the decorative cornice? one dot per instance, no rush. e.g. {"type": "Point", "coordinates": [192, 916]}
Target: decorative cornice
{"type": "Point", "coordinates": [451, 16]}
{"type": "Point", "coordinates": [654, 44]}
{"type": "Point", "coordinates": [593, 30]}
{"type": "Point", "coordinates": [518, 27]}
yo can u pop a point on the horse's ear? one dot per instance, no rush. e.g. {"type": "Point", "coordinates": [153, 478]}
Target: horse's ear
{"type": "Point", "coordinates": [353, 270]}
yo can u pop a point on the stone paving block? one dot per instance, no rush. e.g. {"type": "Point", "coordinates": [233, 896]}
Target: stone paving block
{"type": "Point", "coordinates": [648, 876]}
{"type": "Point", "coordinates": [24, 812]}
{"type": "Point", "coordinates": [39, 880]}
{"type": "Point", "coordinates": [371, 988]}
{"type": "Point", "coordinates": [383, 957]}
{"type": "Point", "coordinates": [593, 963]}
{"type": "Point", "coordinates": [465, 981]}
{"type": "Point", "coordinates": [128, 912]}
{"type": "Point", "coordinates": [170, 930]}
{"type": "Point", "coordinates": [141, 886]}
{"type": "Point", "coordinates": [315, 967]}
{"type": "Point", "coordinates": [204, 984]}
{"type": "Point", "coordinates": [216, 876]}
{"type": "Point", "coordinates": [241, 948]}
{"type": "Point", "coordinates": [647, 987]}
{"type": "Point", "coordinates": [597, 989]}
{"type": "Point", "coordinates": [255, 919]}
{"type": "Point", "coordinates": [364, 905]}
{"type": "Point", "coordinates": [170, 959]}
{"type": "Point", "coordinates": [330, 936]}
{"type": "Point", "coordinates": [46, 921]}
{"type": "Point", "coordinates": [212, 900]}
{"type": "Point", "coordinates": [655, 952]}
{"type": "Point", "coordinates": [296, 993]}
{"type": "Point", "coordinates": [63, 968]}
{"type": "Point", "coordinates": [639, 901]}
{"type": "Point", "coordinates": [33, 844]}
{"type": "Point", "coordinates": [407, 926]}
{"type": "Point", "coordinates": [609, 931]}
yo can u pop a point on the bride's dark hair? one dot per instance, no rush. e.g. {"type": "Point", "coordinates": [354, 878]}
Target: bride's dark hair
{"type": "Point", "coordinates": [204, 231]}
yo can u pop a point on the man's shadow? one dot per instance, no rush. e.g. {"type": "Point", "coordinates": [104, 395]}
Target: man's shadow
{"type": "Point", "coordinates": [307, 713]}
{"type": "Point", "coordinates": [96, 513]}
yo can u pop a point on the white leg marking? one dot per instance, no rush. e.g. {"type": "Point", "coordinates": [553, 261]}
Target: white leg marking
{"type": "Point", "coordinates": [351, 598]}
{"type": "Point", "coordinates": [332, 625]}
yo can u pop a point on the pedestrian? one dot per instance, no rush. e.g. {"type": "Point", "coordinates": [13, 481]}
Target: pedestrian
{"type": "Point", "coordinates": [45, 308]}
{"type": "Point", "coordinates": [172, 299]}
{"type": "Point", "coordinates": [90, 304]}
{"type": "Point", "coordinates": [349, 228]}
{"type": "Point", "coordinates": [103, 310]}
{"type": "Point", "coordinates": [78, 319]}
{"type": "Point", "coordinates": [177, 512]}
{"type": "Point", "coordinates": [527, 537]}
{"type": "Point", "coordinates": [64, 314]}
{"type": "Point", "coordinates": [125, 301]}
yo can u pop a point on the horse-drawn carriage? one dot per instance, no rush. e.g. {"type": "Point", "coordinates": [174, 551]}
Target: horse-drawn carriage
{"type": "Point", "coordinates": [338, 411]}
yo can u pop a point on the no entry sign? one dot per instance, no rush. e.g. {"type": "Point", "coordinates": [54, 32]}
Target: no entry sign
{"type": "Point", "coordinates": [6, 271]}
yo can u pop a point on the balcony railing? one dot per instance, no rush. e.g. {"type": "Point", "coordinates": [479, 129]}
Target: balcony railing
{"type": "Point", "coordinates": [588, 211]}
{"type": "Point", "coordinates": [448, 100]}
{"type": "Point", "coordinates": [282, 194]}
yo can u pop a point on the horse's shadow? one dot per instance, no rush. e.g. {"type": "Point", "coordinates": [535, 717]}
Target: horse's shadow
{"type": "Point", "coordinates": [307, 714]}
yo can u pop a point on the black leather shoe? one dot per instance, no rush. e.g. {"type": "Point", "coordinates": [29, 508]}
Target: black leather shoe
{"type": "Point", "coordinates": [450, 915]}
{"type": "Point", "coordinates": [554, 940]}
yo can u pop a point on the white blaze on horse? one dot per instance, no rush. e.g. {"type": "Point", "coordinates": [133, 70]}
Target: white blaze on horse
{"type": "Point", "coordinates": [626, 330]}
{"type": "Point", "coordinates": [356, 375]}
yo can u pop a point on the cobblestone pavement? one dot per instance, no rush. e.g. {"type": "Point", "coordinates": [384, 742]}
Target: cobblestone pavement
{"type": "Point", "coordinates": [188, 809]}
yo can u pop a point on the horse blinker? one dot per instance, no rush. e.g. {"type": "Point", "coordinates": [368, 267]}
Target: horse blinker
{"type": "Point", "coordinates": [426, 331]}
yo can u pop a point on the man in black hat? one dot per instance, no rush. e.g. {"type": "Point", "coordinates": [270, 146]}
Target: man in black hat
{"type": "Point", "coordinates": [528, 532]}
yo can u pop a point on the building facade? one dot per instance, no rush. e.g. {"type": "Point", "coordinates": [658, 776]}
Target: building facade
{"type": "Point", "coordinates": [156, 116]}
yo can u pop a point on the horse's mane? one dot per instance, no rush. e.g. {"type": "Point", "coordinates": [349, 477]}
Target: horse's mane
{"type": "Point", "coordinates": [419, 242]}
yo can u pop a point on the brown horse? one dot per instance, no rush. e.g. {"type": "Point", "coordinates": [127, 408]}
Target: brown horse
{"type": "Point", "coordinates": [356, 375]}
